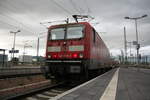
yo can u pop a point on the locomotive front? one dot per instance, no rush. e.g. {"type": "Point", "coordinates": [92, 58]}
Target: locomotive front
{"type": "Point", "coordinates": [65, 52]}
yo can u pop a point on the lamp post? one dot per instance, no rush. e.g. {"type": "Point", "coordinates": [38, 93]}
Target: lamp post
{"type": "Point", "coordinates": [13, 49]}
{"type": "Point", "coordinates": [137, 40]}
{"type": "Point", "coordinates": [125, 46]}
{"type": "Point", "coordinates": [38, 44]}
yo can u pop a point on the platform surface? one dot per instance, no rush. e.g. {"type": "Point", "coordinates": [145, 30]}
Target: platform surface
{"type": "Point", "coordinates": [117, 84]}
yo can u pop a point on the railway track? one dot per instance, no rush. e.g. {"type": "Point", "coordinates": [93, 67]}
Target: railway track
{"type": "Point", "coordinates": [47, 94]}
{"type": "Point", "coordinates": [37, 91]}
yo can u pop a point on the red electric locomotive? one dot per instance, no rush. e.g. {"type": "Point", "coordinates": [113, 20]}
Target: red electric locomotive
{"type": "Point", "coordinates": [75, 51]}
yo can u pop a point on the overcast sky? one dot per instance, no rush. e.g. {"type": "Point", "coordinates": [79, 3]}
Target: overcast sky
{"type": "Point", "coordinates": [26, 15]}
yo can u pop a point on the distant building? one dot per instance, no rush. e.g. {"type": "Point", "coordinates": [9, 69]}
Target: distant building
{"type": "Point", "coordinates": [25, 59]}
{"type": "Point", "coordinates": [142, 59]}
{"type": "Point", "coordinates": [30, 59]}
{"type": "Point", "coordinates": [3, 60]}
{"type": "Point", "coordinates": [145, 59]}
{"type": "Point", "coordinates": [40, 59]}
{"type": "Point", "coordinates": [133, 59]}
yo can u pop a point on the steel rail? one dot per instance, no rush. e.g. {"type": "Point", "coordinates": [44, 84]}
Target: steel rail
{"type": "Point", "coordinates": [23, 91]}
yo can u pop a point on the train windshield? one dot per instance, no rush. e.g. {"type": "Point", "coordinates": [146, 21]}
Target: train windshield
{"type": "Point", "coordinates": [70, 32]}
{"type": "Point", "coordinates": [74, 32]}
{"type": "Point", "coordinates": [57, 34]}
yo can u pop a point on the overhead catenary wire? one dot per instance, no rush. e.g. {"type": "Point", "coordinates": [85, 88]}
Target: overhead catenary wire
{"type": "Point", "coordinates": [88, 8]}
{"type": "Point", "coordinates": [60, 6]}
{"type": "Point", "coordinates": [9, 17]}
{"type": "Point", "coordinates": [89, 11]}
{"type": "Point", "coordinates": [9, 24]}
{"type": "Point", "coordinates": [56, 3]}
{"type": "Point", "coordinates": [22, 4]}
{"type": "Point", "coordinates": [18, 23]}
{"type": "Point", "coordinates": [82, 12]}
{"type": "Point", "coordinates": [13, 26]}
{"type": "Point", "coordinates": [75, 6]}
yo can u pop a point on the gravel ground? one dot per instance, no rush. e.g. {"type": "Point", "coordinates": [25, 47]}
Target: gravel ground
{"type": "Point", "coordinates": [19, 81]}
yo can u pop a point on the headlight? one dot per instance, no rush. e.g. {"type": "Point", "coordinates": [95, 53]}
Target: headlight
{"type": "Point", "coordinates": [49, 56]}
{"type": "Point", "coordinates": [80, 55]}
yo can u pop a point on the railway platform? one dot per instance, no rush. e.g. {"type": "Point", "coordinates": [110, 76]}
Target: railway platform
{"type": "Point", "coordinates": [19, 71]}
{"type": "Point", "coordinates": [117, 84]}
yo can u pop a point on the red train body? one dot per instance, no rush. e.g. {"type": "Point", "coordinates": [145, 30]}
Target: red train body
{"type": "Point", "coordinates": [75, 50]}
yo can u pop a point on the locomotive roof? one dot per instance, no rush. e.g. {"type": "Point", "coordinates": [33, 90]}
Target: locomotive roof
{"type": "Point", "coordinates": [84, 23]}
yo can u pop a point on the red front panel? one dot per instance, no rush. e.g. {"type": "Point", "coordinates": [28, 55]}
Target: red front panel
{"type": "Point", "coordinates": [64, 52]}
{"type": "Point", "coordinates": [70, 48]}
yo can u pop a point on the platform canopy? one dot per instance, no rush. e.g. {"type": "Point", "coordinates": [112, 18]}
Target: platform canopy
{"type": "Point", "coordinates": [2, 49]}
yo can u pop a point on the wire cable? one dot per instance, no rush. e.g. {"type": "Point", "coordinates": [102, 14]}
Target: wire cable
{"type": "Point", "coordinates": [60, 6]}
{"type": "Point", "coordinates": [9, 24]}
{"type": "Point", "coordinates": [88, 8]}
{"type": "Point", "coordinates": [75, 6]}
{"type": "Point", "coordinates": [24, 26]}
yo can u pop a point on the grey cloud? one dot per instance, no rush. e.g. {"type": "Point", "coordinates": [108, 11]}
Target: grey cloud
{"type": "Point", "coordinates": [109, 13]}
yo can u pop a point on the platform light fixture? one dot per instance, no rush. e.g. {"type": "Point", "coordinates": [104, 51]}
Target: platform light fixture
{"type": "Point", "coordinates": [14, 32]}
{"type": "Point", "coordinates": [137, 41]}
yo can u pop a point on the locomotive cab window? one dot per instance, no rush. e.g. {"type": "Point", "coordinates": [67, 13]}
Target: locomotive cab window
{"type": "Point", "coordinates": [57, 34]}
{"type": "Point", "coordinates": [74, 32]}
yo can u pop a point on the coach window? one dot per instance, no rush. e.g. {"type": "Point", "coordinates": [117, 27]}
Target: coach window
{"type": "Point", "coordinates": [94, 35]}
